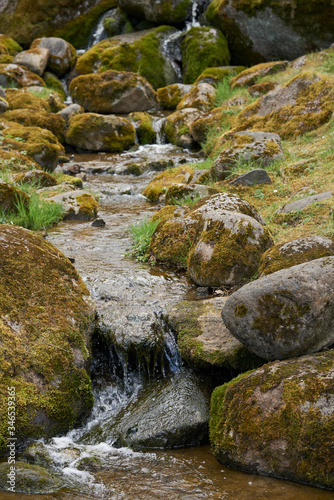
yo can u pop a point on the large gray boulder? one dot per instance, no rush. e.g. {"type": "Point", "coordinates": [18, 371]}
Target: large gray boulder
{"type": "Point", "coordinates": [62, 55]}
{"type": "Point", "coordinates": [34, 60]}
{"type": "Point", "coordinates": [289, 313]}
{"type": "Point", "coordinates": [278, 420]}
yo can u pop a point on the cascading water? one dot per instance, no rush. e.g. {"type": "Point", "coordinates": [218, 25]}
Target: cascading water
{"type": "Point", "coordinates": [99, 33]}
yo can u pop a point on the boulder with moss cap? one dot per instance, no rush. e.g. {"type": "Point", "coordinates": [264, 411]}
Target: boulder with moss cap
{"type": "Point", "coordinates": [113, 92]}
{"type": "Point", "coordinates": [177, 127]}
{"type": "Point", "coordinates": [303, 104]}
{"type": "Point", "coordinates": [171, 95]}
{"type": "Point", "coordinates": [160, 183]}
{"type": "Point", "coordinates": [78, 204]}
{"type": "Point", "coordinates": [8, 49]}
{"type": "Point", "coordinates": [216, 75]}
{"type": "Point", "coordinates": [23, 99]}
{"type": "Point", "coordinates": [10, 196]}
{"type": "Point", "coordinates": [18, 76]}
{"type": "Point", "coordinates": [201, 96]}
{"type": "Point", "coordinates": [46, 325]}
{"type": "Point", "coordinates": [34, 60]}
{"type": "Point", "coordinates": [62, 55]}
{"type": "Point", "coordinates": [278, 420]}
{"type": "Point", "coordinates": [143, 123]}
{"type": "Point", "coordinates": [249, 76]}
{"type": "Point", "coordinates": [287, 313]}
{"type": "Point", "coordinates": [29, 479]}
{"type": "Point", "coordinates": [49, 121]}
{"type": "Point", "coordinates": [91, 131]}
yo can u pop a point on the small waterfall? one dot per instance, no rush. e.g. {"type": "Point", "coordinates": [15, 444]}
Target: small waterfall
{"type": "Point", "coordinates": [99, 33]}
{"type": "Point", "coordinates": [194, 16]}
{"type": "Point", "coordinates": [158, 124]}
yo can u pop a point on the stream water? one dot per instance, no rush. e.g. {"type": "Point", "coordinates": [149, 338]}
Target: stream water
{"type": "Point", "coordinates": [114, 279]}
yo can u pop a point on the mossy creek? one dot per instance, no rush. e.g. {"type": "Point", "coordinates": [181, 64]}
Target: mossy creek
{"type": "Point", "coordinates": [119, 283]}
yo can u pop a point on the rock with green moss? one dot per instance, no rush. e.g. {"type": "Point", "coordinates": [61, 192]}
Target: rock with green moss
{"type": "Point", "coordinates": [213, 76]}
{"type": "Point", "coordinates": [294, 252]}
{"type": "Point", "coordinates": [203, 47]}
{"type": "Point", "coordinates": [18, 76]}
{"type": "Point", "coordinates": [228, 249]}
{"type": "Point", "coordinates": [201, 96]}
{"type": "Point", "coordinates": [39, 178]}
{"type": "Point", "coordinates": [171, 95]}
{"type": "Point", "coordinates": [54, 83]}
{"type": "Point", "coordinates": [203, 339]}
{"type": "Point", "coordinates": [178, 192]}
{"type": "Point", "coordinates": [15, 161]}
{"type": "Point", "coordinates": [139, 52]}
{"type": "Point", "coordinates": [40, 144]}
{"type": "Point", "coordinates": [160, 183]}
{"type": "Point", "coordinates": [8, 49]}
{"type": "Point", "coordinates": [10, 196]}
{"type": "Point", "coordinates": [303, 104]}
{"type": "Point", "coordinates": [116, 22]}
{"type": "Point", "coordinates": [173, 12]}
{"type": "Point", "coordinates": [4, 106]}
{"type": "Point", "coordinates": [250, 76]}
{"type": "Point", "coordinates": [278, 420]}
{"type": "Point", "coordinates": [214, 119]}
{"type": "Point", "coordinates": [34, 60]}
{"type": "Point", "coordinates": [252, 148]}
{"type": "Point", "coordinates": [69, 111]}
{"type": "Point", "coordinates": [78, 204]}
{"type": "Point", "coordinates": [62, 55]}
{"type": "Point", "coordinates": [28, 479]}
{"type": "Point", "coordinates": [168, 413]}
{"type": "Point", "coordinates": [143, 123]}
{"type": "Point", "coordinates": [287, 313]}
{"type": "Point", "coordinates": [91, 131]}
{"type": "Point", "coordinates": [113, 92]}
{"type": "Point", "coordinates": [46, 325]}
{"type": "Point", "coordinates": [23, 99]}
{"type": "Point", "coordinates": [267, 30]}
{"type": "Point", "coordinates": [139, 168]}
{"type": "Point", "coordinates": [177, 127]}
{"type": "Point", "coordinates": [49, 121]}
{"type": "Point", "coordinates": [259, 89]}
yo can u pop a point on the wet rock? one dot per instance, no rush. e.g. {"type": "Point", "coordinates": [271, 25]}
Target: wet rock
{"type": "Point", "coordinates": [62, 55]}
{"type": "Point", "coordinates": [260, 148]}
{"type": "Point", "coordinates": [18, 76]}
{"type": "Point", "coordinates": [91, 131]}
{"type": "Point", "coordinates": [249, 76]}
{"type": "Point", "coordinates": [98, 223]}
{"type": "Point", "coordinates": [304, 202]}
{"type": "Point", "coordinates": [9, 196]}
{"type": "Point", "coordinates": [177, 127]}
{"type": "Point", "coordinates": [148, 166]}
{"type": "Point", "coordinates": [264, 422]}
{"type": "Point", "coordinates": [252, 178]}
{"type": "Point", "coordinates": [169, 413]}
{"type": "Point", "coordinates": [171, 95]}
{"type": "Point", "coordinates": [201, 96]}
{"type": "Point", "coordinates": [285, 314]}
{"type": "Point", "coordinates": [36, 177]}
{"type": "Point", "coordinates": [116, 22]}
{"type": "Point", "coordinates": [113, 92]}
{"type": "Point", "coordinates": [303, 104]}
{"type": "Point", "coordinates": [203, 339]}
{"type": "Point", "coordinates": [78, 204]}
{"type": "Point", "coordinates": [69, 111]}
{"type": "Point", "coordinates": [160, 183]}
{"type": "Point", "coordinates": [295, 252]}
{"type": "Point", "coordinates": [203, 47]}
{"type": "Point", "coordinates": [166, 12]}
{"type": "Point", "coordinates": [29, 479]}
{"type": "Point", "coordinates": [34, 60]}
{"type": "Point", "coordinates": [48, 365]}
{"type": "Point", "coordinates": [143, 123]}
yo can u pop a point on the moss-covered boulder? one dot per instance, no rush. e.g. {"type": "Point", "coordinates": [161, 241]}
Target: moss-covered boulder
{"type": "Point", "coordinates": [36, 177]}
{"type": "Point", "coordinates": [34, 60]}
{"type": "Point", "coordinates": [168, 413]}
{"type": "Point", "coordinates": [267, 30]}
{"type": "Point", "coordinates": [259, 89]}
{"type": "Point", "coordinates": [228, 250]}
{"type": "Point", "coordinates": [255, 148]}
{"type": "Point", "coordinates": [113, 92]}
{"type": "Point", "coordinates": [69, 111]}
{"type": "Point", "coordinates": [177, 127]}
{"type": "Point", "coordinates": [303, 104]}
{"type": "Point", "coordinates": [177, 192]}
{"type": "Point", "coordinates": [18, 76]}
{"type": "Point", "coordinates": [143, 123]}
{"type": "Point", "coordinates": [160, 182]}
{"type": "Point", "coordinates": [201, 96]}
{"type": "Point", "coordinates": [139, 52]}
{"type": "Point", "coordinates": [250, 76]}
{"type": "Point", "coordinates": [287, 313]}
{"type": "Point", "coordinates": [23, 99]}
{"type": "Point", "coordinates": [54, 83]}
{"type": "Point", "coordinates": [203, 47]}
{"type": "Point", "coordinates": [213, 119]}
{"type": "Point", "coordinates": [90, 131]}
{"type": "Point", "coordinates": [8, 49]}
{"type": "Point", "coordinates": [62, 55]}
{"type": "Point", "coordinates": [171, 95]}
{"type": "Point", "coordinates": [203, 339]}
{"type": "Point", "coordinates": [46, 324]}
{"type": "Point", "coordinates": [10, 196]}
{"type": "Point", "coordinates": [78, 204]}
{"type": "Point", "coordinates": [294, 252]}
{"type": "Point", "coordinates": [116, 22]}
{"type": "Point", "coordinates": [213, 76]}
{"type": "Point", "coordinates": [28, 479]}
{"type": "Point", "coordinates": [278, 420]}
{"type": "Point", "coordinates": [15, 161]}
{"type": "Point", "coordinates": [49, 121]}
{"type": "Point", "coordinates": [173, 12]}
{"type": "Point", "coordinates": [40, 144]}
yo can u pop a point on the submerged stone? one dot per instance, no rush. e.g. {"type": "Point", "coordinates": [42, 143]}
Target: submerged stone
{"type": "Point", "coordinates": [29, 479]}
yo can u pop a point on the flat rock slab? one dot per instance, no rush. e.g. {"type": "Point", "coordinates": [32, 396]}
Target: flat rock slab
{"type": "Point", "coordinates": [305, 202]}
{"type": "Point", "coordinates": [252, 178]}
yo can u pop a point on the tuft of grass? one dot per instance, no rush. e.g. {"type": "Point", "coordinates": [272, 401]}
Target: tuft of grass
{"type": "Point", "coordinates": [39, 214]}
{"type": "Point", "coordinates": [189, 200]}
{"type": "Point", "coordinates": [141, 234]}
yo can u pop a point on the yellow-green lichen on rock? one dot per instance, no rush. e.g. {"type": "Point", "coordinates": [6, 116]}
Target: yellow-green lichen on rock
{"type": "Point", "coordinates": [8, 49]}
{"type": "Point", "coordinates": [46, 324]}
{"type": "Point", "coordinates": [159, 184]}
{"type": "Point", "coordinates": [10, 196]}
{"type": "Point", "coordinates": [18, 76]}
{"type": "Point", "coordinates": [49, 121]}
{"type": "Point", "coordinates": [278, 420]}
{"type": "Point", "coordinates": [15, 161]}
{"type": "Point", "coordinates": [249, 76]}
{"type": "Point", "coordinates": [143, 123]}
{"type": "Point", "coordinates": [171, 95]}
{"type": "Point", "coordinates": [218, 74]}
{"type": "Point", "coordinates": [22, 99]}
